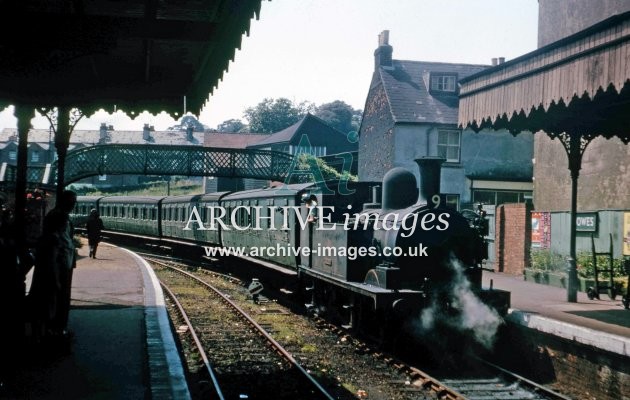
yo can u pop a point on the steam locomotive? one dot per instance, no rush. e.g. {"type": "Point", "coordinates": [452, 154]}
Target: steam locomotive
{"type": "Point", "coordinates": [359, 252]}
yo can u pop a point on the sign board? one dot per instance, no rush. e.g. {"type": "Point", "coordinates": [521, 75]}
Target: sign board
{"type": "Point", "coordinates": [541, 230]}
{"type": "Point", "coordinates": [626, 234]}
{"type": "Point", "coordinates": [586, 222]}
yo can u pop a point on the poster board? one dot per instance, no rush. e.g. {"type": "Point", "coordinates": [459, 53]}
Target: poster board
{"type": "Point", "coordinates": [541, 230]}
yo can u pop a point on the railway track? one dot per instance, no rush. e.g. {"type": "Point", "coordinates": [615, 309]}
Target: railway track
{"type": "Point", "coordinates": [239, 358]}
{"type": "Point", "coordinates": [489, 383]}
{"type": "Point", "coordinates": [501, 384]}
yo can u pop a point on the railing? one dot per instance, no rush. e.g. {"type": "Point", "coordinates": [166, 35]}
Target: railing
{"type": "Point", "coordinates": [143, 159]}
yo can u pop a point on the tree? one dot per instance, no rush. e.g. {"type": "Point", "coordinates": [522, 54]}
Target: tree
{"type": "Point", "coordinates": [186, 121]}
{"type": "Point", "coordinates": [271, 116]}
{"type": "Point", "coordinates": [340, 115]}
{"type": "Point", "coordinates": [309, 168]}
{"type": "Point", "coordinates": [232, 126]}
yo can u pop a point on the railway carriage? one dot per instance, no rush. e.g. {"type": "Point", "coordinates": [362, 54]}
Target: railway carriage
{"type": "Point", "coordinates": [82, 209]}
{"type": "Point", "coordinates": [178, 210]}
{"type": "Point", "coordinates": [252, 212]}
{"type": "Point", "coordinates": [130, 214]}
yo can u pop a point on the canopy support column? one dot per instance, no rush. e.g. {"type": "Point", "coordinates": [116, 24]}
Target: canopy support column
{"type": "Point", "coordinates": [62, 141]}
{"type": "Point", "coordinates": [62, 121]}
{"type": "Point", "coordinates": [574, 145]}
{"type": "Point", "coordinates": [24, 114]}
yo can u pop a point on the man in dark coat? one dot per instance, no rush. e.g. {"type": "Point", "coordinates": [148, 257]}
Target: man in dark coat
{"type": "Point", "coordinates": [94, 228]}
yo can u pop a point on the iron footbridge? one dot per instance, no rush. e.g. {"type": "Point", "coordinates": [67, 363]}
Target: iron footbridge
{"type": "Point", "coordinates": [153, 159]}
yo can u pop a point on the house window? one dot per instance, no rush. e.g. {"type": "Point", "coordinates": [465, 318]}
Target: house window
{"type": "Point", "coordinates": [448, 144]}
{"type": "Point", "coordinates": [451, 201]}
{"type": "Point", "coordinates": [35, 156]}
{"type": "Point", "coordinates": [12, 155]}
{"type": "Point", "coordinates": [498, 197]}
{"type": "Point", "coordinates": [443, 83]}
{"type": "Point", "coordinates": [102, 178]}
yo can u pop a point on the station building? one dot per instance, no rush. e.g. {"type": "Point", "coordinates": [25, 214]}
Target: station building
{"type": "Point", "coordinates": [604, 183]}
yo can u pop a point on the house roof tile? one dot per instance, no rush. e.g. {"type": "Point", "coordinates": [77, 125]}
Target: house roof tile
{"type": "Point", "coordinates": [407, 87]}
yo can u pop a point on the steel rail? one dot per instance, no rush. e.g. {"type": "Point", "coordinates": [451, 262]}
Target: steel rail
{"type": "Point", "coordinates": [537, 386]}
{"type": "Point", "coordinates": [276, 346]}
{"type": "Point", "coordinates": [195, 338]}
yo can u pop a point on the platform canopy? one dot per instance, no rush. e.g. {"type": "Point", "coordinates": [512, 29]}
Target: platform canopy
{"type": "Point", "coordinates": [575, 89]}
{"type": "Point", "coordinates": [580, 84]}
{"type": "Point", "coordinates": [130, 55]}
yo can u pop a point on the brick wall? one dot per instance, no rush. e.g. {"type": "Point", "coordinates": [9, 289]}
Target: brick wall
{"type": "Point", "coordinates": [577, 370]}
{"type": "Point", "coordinates": [513, 238]}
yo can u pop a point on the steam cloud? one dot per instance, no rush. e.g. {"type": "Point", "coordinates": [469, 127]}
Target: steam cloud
{"type": "Point", "coordinates": [473, 316]}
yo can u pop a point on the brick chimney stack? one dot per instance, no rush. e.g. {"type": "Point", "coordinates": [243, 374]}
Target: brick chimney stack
{"type": "Point", "coordinates": [189, 133]}
{"type": "Point", "coordinates": [102, 137]}
{"type": "Point", "coordinates": [383, 54]}
{"type": "Point", "coordinates": [146, 132]}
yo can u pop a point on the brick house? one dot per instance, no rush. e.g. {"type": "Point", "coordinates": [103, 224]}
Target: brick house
{"type": "Point", "coordinates": [411, 111]}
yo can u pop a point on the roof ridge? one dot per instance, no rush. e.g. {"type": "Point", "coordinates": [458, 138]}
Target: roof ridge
{"type": "Point", "coordinates": [445, 63]}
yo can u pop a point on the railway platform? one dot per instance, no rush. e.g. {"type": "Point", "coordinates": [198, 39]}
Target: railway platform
{"type": "Point", "coordinates": [603, 324]}
{"type": "Point", "coordinates": [122, 346]}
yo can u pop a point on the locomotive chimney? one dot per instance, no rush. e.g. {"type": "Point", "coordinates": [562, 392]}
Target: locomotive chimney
{"type": "Point", "coordinates": [430, 174]}
{"type": "Point", "coordinates": [399, 189]}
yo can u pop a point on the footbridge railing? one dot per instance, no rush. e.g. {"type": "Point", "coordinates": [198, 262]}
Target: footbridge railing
{"type": "Point", "coordinates": [147, 159]}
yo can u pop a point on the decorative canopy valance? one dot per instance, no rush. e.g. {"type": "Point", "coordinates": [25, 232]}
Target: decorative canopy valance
{"type": "Point", "coordinates": [578, 84]}
{"type": "Point", "coordinates": [132, 55]}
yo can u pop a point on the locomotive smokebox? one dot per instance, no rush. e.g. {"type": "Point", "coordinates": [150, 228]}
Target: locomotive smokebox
{"type": "Point", "coordinates": [430, 175]}
{"type": "Point", "coordinates": [399, 189]}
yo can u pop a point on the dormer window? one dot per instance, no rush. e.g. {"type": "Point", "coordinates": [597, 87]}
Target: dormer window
{"type": "Point", "coordinates": [445, 83]}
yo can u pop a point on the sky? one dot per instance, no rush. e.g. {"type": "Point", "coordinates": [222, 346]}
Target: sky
{"type": "Point", "coordinates": [323, 50]}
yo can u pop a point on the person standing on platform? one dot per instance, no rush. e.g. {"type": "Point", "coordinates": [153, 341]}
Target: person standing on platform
{"type": "Point", "coordinates": [94, 228]}
{"type": "Point", "coordinates": [55, 261]}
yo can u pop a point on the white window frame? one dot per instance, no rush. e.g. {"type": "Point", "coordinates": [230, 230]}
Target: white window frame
{"type": "Point", "coordinates": [444, 147]}
{"type": "Point", "coordinates": [444, 83]}
{"type": "Point", "coordinates": [12, 155]}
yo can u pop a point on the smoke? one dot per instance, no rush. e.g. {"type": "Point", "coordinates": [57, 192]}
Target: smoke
{"type": "Point", "coordinates": [459, 309]}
